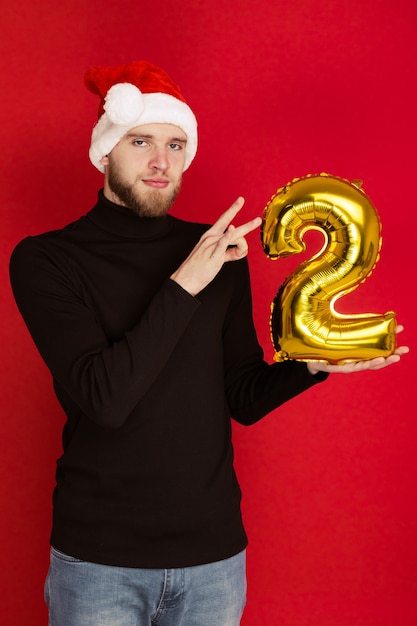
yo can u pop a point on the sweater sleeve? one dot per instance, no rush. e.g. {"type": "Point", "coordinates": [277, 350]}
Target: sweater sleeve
{"type": "Point", "coordinates": [254, 387]}
{"type": "Point", "coordinates": [106, 380]}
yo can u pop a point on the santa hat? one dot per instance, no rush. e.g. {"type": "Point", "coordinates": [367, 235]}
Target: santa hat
{"type": "Point", "coordinates": [135, 94]}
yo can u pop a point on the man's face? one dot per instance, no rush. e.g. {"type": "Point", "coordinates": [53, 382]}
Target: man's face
{"type": "Point", "coordinates": [143, 171]}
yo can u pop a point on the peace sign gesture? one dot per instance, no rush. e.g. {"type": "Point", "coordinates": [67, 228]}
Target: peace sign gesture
{"type": "Point", "coordinates": [222, 243]}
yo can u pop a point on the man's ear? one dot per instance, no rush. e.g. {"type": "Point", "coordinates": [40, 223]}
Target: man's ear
{"type": "Point", "coordinates": [105, 160]}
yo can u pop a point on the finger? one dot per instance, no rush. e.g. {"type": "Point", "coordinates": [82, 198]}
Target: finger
{"type": "Point", "coordinates": [235, 235]}
{"type": "Point", "coordinates": [233, 245]}
{"type": "Point", "coordinates": [237, 250]}
{"type": "Point", "coordinates": [224, 220]}
{"type": "Point", "coordinates": [402, 350]}
{"type": "Point", "coordinates": [352, 367]}
{"type": "Point", "coordinates": [399, 329]}
{"type": "Point", "coordinates": [377, 364]}
{"type": "Point", "coordinates": [360, 366]}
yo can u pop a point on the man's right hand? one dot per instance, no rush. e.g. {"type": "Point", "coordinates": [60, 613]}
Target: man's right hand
{"type": "Point", "coordinates": [222, 243]}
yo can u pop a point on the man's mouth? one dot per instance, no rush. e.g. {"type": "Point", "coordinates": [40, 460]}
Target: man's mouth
{"type": "Point", "coordinates": [156, 183]}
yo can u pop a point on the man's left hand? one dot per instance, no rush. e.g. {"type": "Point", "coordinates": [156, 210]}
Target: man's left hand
{"type": "Point", "coordinates": [360, 366]}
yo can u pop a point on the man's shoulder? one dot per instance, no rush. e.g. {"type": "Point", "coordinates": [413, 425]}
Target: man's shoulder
{"type": "Point", "coordinates": [48, 240]}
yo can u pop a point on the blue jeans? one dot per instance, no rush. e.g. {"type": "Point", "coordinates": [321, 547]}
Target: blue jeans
{"type": "Point", "coordinates": [79, 593]}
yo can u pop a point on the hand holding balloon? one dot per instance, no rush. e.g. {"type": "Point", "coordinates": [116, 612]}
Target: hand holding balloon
{"type": "Point", "coordinates": [304, 323]}
{"type": "Point", "coordinates": [359, 366]}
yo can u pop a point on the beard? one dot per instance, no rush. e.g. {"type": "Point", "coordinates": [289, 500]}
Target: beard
{"type": "Point", "coordinates": [150, 203]}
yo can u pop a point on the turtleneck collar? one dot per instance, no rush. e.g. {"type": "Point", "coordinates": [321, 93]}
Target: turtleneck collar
{"type": "Point", "coordinates": [120, 221]}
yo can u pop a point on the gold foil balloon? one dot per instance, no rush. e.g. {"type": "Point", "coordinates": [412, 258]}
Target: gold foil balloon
{"type": "Point", "coordinates": [304, 323]}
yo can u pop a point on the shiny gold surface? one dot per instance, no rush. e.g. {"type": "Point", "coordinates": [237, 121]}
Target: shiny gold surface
{"type": "Point", "coordinates": [304, 323]}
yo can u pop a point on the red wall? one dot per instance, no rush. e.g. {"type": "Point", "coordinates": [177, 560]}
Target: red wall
{"type": "Point", "coordinates": [281, 89]}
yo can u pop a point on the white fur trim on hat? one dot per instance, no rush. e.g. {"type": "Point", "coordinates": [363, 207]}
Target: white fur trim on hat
{"type": "Point", "coordinates": [126, 107]}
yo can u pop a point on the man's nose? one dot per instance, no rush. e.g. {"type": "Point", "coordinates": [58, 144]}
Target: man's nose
{"type": "Point", "coordinates": [159, 159]}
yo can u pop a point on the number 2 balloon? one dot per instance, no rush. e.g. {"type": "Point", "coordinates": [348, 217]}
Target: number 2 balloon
{"type": "Point", "coordinates": [304, 323]}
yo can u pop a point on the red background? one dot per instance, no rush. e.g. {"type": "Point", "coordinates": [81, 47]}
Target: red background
{"type": "Point", "coordinates": [281, 89]}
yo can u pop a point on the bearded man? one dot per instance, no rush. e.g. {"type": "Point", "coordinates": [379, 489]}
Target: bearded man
{"type": "Point", "coordinates": [145, 323]}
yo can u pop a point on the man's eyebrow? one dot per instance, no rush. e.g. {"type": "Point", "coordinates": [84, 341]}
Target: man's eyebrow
{"type": "Point", "coordinates": [150, 136]}
{"type": "Point", "coordinates": [142, 135]}
{"type": "Point", "coordinates": [179, 139]}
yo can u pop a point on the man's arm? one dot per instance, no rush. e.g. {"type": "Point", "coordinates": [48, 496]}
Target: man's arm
{"type": "Point", "coordinates": [105, 377]}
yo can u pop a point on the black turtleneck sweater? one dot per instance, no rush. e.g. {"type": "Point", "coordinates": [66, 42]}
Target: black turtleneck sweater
{"type": "Point", "coordinates": [148, 377]}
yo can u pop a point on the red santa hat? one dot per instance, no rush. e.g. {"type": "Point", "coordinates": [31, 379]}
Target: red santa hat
{"type": "Point", "coordinates": [135, 94]}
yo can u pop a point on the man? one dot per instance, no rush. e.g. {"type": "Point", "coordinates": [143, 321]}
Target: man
{"type": "Point", "coordinates": [145, 323]}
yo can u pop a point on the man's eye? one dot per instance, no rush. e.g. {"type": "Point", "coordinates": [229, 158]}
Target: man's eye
{"type": "Point", "coordinates": [175, 146]}
{"type": "Point", "coordinates": [139, 142]}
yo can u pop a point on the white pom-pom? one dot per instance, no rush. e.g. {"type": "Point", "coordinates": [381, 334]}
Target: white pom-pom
{"type": "Point", "coordinates": [123, 103]}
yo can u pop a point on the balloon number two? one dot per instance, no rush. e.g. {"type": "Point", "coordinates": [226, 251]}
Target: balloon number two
{"type": "Point", "coordinates": [304, 323]}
